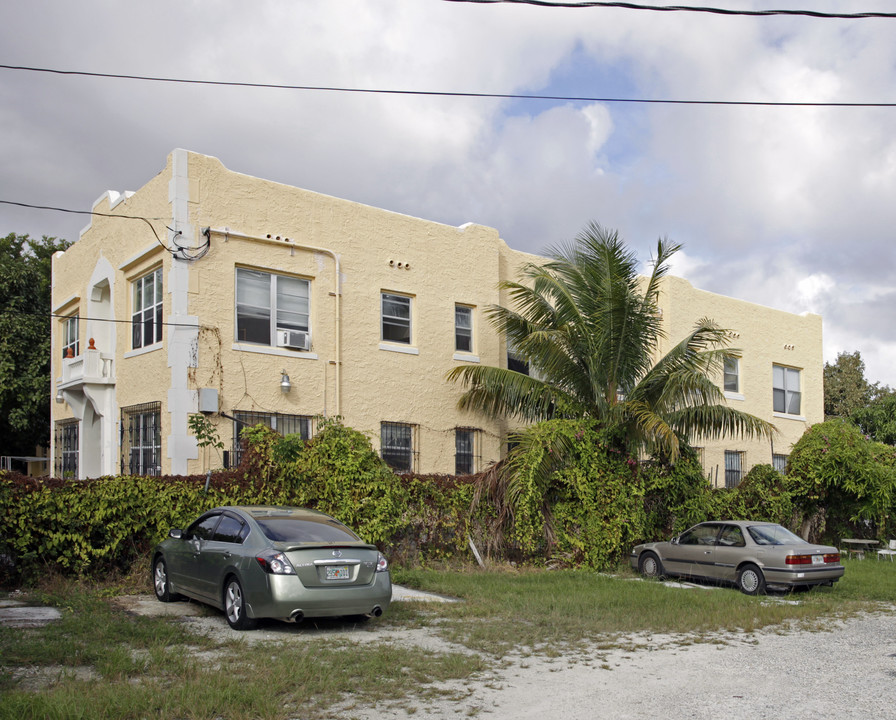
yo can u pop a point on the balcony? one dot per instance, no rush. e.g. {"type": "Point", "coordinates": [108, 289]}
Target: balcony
{"type": "Point", "coordinates": [92, 367]}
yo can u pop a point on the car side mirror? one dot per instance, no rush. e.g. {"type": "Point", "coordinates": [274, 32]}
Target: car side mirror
{"type": "Point", "coordinates": [176, 533]}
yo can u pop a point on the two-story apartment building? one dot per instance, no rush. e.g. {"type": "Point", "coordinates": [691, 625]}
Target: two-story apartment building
{"type": "Point", "coordinates": [251, 301]}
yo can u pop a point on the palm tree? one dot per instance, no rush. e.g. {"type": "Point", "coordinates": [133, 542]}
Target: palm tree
{"type": "Point", "coordinates": [588, 326]}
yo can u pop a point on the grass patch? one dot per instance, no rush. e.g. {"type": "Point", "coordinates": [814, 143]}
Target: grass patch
{"type": "Point", "coordinates": [100, 661]}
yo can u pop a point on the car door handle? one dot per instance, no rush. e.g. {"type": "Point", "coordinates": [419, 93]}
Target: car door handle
{"type": "Point", "coordinates": [227, 555]}
{"type": "Point", "coordinates": [707, 552]}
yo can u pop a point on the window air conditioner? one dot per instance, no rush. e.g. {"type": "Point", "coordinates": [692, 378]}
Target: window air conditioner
{"type": "Point", "coordinates": [295, 339]}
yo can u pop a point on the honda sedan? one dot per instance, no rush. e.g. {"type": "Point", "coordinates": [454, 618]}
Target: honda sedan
{"type": "Point", "coordinates": [750, 555]}
{"type": "Point", "coordinates": [286, 563]}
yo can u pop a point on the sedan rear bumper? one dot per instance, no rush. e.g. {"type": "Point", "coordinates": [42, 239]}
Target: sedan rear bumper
{"type": "Point", "coordinates": [800, 576]}
{"type": "Point", "coordinates": [288, 599]}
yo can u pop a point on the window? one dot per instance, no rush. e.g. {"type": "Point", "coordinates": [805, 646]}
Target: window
{"type": "Point", "coordinates": [786, 390]}
{"type": "Point", "coordinates": [203, 528]}
{"type": "Point", "coordinates": [67, 448]}
{"type": "Point", "coordinates": [732, 536]}
{"type": "Point", "coordinates": [396, 325]}
{"type": "Point", "coordinates": [146, 316]}
{"type": "Point", "coordinates": [701, 535]}
{"type": "Point", "coordinates": [70, 336]}
{"type": "Point", "coordinates": [266, 304]}
{"type": "Point", "coordinates": [466, 450]}
{"type": "Point", "coordinates": [231, 530]}
{"type": "Point", "coordinates": [515, 360]}
{"type": "Point", "coordinates": [732, 374]}
{"type": "Point", "coordinates": [733, 468]}
{"type": "Point", "coordinates": [284, 424]}
{"type": "Point", "coordinates": [397, 446]}
{"type": "Point", "coordinates": [779, 462]}
{"type": "Point", "coordinates": [141, 439]}
{"type": "Point", "coordinates": [463, 328]}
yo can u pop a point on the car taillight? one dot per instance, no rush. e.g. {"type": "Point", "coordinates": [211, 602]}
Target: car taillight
{"type": "Point", "coordinates": [275, 563]}
{"type": "Point", "coordinates": [799, 560]}
{"type": "Point", "coordinates": [381, 563]}
{"type": "Point", "coordinates": [832, 558]}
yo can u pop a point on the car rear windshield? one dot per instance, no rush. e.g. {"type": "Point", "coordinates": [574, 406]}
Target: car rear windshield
{"type": "Point", "coordinates": [290, 529]}
{"type": "Point", "coordinates": [774, 535]}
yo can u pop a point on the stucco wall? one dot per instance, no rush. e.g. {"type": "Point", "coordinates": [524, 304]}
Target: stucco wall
{"type": "Point", "coordinates": [275, 228]}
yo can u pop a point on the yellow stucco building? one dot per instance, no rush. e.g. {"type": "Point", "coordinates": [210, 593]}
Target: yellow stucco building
{"type": "Point", "coordinates": [251, 301]}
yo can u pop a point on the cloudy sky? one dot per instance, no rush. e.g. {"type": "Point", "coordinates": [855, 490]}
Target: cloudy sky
{"type": "Point", "coordinates": [791, 207]}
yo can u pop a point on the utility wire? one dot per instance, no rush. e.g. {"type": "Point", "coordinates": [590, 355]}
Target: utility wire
{"type": "Point", "coordinates": [687, 8]}
{"type": "Point", "coordinates": [433, 93]}
{"type": "Point", "coordinates": [178, 251]}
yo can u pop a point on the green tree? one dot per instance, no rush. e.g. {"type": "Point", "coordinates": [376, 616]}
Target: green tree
{"type": "Point", "coordinates": [838, 477]}
{"type": "Point", "coordinates": [845, 388]}
{"type": "Point", "coordinates": [25, 266]}
{"type": "Point", "coordinates": [589, 328]}
{"type": "Point", "coordinates": [877, 419]}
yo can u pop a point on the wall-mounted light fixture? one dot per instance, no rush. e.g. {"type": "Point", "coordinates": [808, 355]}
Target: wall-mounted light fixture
{"type": "Point", "coordinates": [59, 397]}
{"type": "Point", "coordinates": [285, 385]}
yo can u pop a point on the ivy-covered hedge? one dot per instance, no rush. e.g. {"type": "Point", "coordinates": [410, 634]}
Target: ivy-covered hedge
{"type": "Point", "coordinates": [587, 510]}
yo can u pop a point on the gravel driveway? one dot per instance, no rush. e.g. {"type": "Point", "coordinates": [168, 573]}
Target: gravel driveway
{"type": "Point", "coordinates": [847, 672]}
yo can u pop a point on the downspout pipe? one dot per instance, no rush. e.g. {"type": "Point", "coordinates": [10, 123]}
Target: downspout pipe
{"type": "Point", "coordinates": [286, 243]}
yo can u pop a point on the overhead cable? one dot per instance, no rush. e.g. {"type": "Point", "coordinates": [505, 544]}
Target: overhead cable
{"type": "Point", "coordinates": [434, 93]}
{"type": "Point", "coordinates": [687, 8]}
{"type": "Point", "coordinates": [180, 251]}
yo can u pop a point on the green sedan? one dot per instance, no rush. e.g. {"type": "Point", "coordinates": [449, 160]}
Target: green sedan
{"type": "Point", "coordinates": [286, 563]}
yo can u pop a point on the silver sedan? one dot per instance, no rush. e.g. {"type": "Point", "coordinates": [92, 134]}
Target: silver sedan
{"type": "Point", "coordinates": [272, 562]}
{"type": "Point", "coordinates": [750, 555]}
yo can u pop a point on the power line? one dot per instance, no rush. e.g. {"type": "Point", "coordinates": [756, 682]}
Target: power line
{"type": "Point", "coordinates": [434, 93]}
{"type": "Point", "coordinates": [687, 8]}
{"type": "Point", "coordinates": [181, 251]}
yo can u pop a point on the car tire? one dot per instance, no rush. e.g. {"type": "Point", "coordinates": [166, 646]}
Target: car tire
{"type": "Point", "coordinates": [160, 581]}
{"type": "Point", "coordinates": [649, 565]}
{"type": "Point", "coordinates": [235, 606]}
{"type": "Point", "coordinates": [750, 580]}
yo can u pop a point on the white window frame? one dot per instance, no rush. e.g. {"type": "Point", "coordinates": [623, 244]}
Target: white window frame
{"type": "Point", "coordinates": [274, 309]}
{"type": "Point", "coordinates": [396, 321]}
{"type": "Point", "coordinates": [70, 331]}
{"type": "Point", "coordinates": [141, 439]}
{"type": "Point", "coordinates": [731, 375]}
{"type": "Point", "coordinates": [786, 390]}
{"type": "Point", "coordinates": [398, 443]}
{"type": "Point", "coordinates": [463, 333]}
{"type": "Point", "coordinates": [147, 295]}
{"type": "Point", "coordinates": [734, 468]}
{"type": "Point", "coordinates": [466, 450]}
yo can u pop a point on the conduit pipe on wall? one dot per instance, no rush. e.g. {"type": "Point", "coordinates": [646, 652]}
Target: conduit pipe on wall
{"type": "Point", "coordinates": [336, 284]}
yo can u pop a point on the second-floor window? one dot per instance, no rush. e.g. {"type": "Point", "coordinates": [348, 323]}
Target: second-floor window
{"type": "Point", "coordinates": [70, 336]}
{"type": "Point", "coordinates": [272, 309]}
{"type": "Point", "coordinates": [463, 328]}
{"type": "Point", "coordinates": [396, 318]}
{"type": "Point", "coordinates": [732, 374]}
{"type": "Point", "coordinates": [786, 390]}
{"type": "Point", "coordinates": [146, 315]}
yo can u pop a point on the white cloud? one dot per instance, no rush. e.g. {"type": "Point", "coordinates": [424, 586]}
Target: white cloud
{"type": "Point", "coordinates": [789, 207]}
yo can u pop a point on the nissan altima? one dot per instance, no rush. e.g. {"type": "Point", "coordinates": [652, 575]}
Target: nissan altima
{"type": "Point", "coordinates": [750, 555]}
{"type": "Point", "coordinates": [286, 563]}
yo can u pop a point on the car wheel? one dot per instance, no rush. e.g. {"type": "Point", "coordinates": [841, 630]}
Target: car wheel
{"type": "Point", "coordinates": [750, 580]}
{"type": "Point", "coordinates": [649, 565]}
{"type": "Point", "coordinates": [235, 606]}
{"type": "Point", "coordinates": [160, 581]}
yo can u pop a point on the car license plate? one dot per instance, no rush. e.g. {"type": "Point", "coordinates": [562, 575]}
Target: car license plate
{"type": "Point", "coordinates": [339, 572]}
{"type": "Point", "coordinates": [818, 559]}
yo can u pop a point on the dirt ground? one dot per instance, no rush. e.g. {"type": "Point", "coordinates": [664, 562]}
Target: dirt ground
{"type": "Point", "coordinates": [847, 671]}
